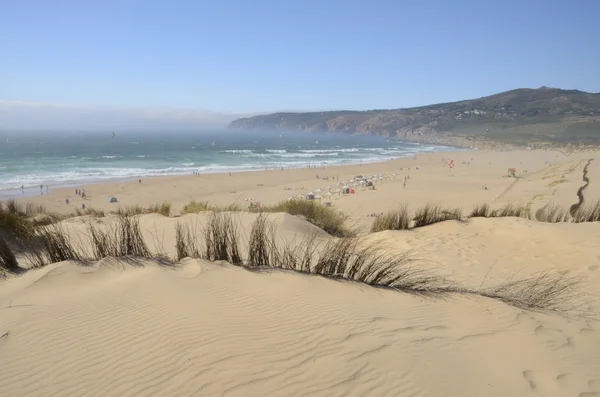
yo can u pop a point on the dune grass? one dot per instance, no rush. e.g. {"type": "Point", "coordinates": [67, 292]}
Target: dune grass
{"type": "Point", "coordinates": [548, 290]}
{"type": "Point", "coordinates": [194, 207]}
{"type": "Point", "coordinates": [131, 210]}
{"type": "Point", "coordinates": [587, 213]}
{"type": "Point", "coordinates": [18, 219]}
{"type": "Point", "coordinates": [485, 211]}
{"type": "Point", "coordinates": [186, 242]}
{"type": "Point", "coordinates": [89, 212]}
{"type": "Point", "coordinates": [511, 210]}
{"type": "Point", "coordinates": [221, 239]}
{"type": "Point", "coordinates": [399, 219]}
{"type": "Point", "coordinates": [326, 218]}
{"type": "Point", "coordinates": [552, 213]}
{"type": "Point", "coordinates": [57, 245]}
{"type": "Point", "coordinates": [430, 214]}
{"type": "Point", "coordinates": [8, 261]}
{"type": "Point", "coordinates": [480, 211]}
{"type": "Point", "coordinates": [121, 239]}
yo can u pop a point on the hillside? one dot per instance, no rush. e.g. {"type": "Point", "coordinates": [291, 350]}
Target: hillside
{"type": "Point", "coordinates": [521, 116]}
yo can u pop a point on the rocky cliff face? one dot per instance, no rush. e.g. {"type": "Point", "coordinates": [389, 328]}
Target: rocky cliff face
{"type": "Point", "coordinates": [517, 116]}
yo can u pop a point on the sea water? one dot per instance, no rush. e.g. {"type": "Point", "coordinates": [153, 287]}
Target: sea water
{"type": "Point", "coordinates": [61, 159]}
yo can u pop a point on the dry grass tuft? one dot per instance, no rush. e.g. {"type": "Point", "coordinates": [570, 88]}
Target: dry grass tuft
{"type": "Point", "coordinates": [164, 209]}
{"type": "Point", "coordinates": [431, 214]}
{"type": "Point", "coordinates": [186, 241]}
{"type": "Point", "coordinates": [122, 239]}
{"type": "Point", "coordinates": [587, 213]}
{"type": "Point", "coordinates": [57, 245]}
{"type": "Point", "coordinates": [194, 207]}
{"type": "Point", "coordinates": [552, 213]}
{"type": "Point", "coordinates": [221, 239]}
{"type": "Point", "coordinates": [394, 220]}
{"type": "Point", "coordinates": [548, 290]}
{"type": "Point", "coordinates": [481, 211]}
{"type": "Point", "coordinates": [131, 210]}
{"type": "Point", "coordinates": [511, 210]}
{"type": "Point", "coordinates": [326, 218]}
{"type": "Point", "coordinates": [89, 212]}
{"type": "Point", "coordinates": [8, 262]}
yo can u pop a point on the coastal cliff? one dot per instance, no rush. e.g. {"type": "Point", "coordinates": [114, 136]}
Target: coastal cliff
{"type": "Point", "coordinates": [522, 116]}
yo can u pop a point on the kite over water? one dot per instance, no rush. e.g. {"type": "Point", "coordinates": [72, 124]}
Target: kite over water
{"type": "Point", "coordinates": [113, 134]}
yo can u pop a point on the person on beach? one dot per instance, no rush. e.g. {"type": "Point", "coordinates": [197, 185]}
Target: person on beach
{"type": "Point", "coordinates": [67, 201]}
{"type": "Point", "coordinates": [83, 206]}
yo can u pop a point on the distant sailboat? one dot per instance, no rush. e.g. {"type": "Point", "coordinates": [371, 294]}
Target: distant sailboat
{"type": "Point", "coordinates": [213, 142]}
{"type": "Point", "coordinates": [317, 142]}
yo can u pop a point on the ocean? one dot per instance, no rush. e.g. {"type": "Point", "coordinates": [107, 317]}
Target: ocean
{"type": "Point", "coordinates": [63, 159]}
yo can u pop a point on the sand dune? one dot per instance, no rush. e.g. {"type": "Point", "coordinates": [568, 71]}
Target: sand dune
{"type": "Point", "coordinates": [136, 327]}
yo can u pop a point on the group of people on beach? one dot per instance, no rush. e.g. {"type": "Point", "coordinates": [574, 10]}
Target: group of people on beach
{"type": "Point", "coordinates": [80, 193]}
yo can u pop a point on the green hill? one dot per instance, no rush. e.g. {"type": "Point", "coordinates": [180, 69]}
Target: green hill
{"type": "Point", "coordinates": [521, 116]}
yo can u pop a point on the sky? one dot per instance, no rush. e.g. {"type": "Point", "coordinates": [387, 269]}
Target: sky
{"type": "Point", "coordinates": [256, 56]}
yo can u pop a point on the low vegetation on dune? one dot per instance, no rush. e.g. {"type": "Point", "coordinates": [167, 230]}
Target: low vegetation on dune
{"type": "Point", "coordinates": [8, 261]}
{"type": "Point", "coordinates": [164, 209]}
{"type": "Point", "coordinates": [399, 219]}
{"type": "Point", "coordinates": [194, 207]}
{"type": "Point", "coordinates": [548, 290]}
{"type": "Point", "coordinates": [587, 213]}
{"type": "Point", "coordinates": [552, 213]}
{"type": "Point", "coordinates": [20, 220]}
{"type": "Point", "coordinates": [221, 241]}
{"type": "Point", "coordinates": [344, 258]}
{"type": "Point", "coordinates": [431, 214]}
{"type": "Point", "coordinates": [89, 212]}
{"type": "Point", "coordinates": [485, 211]}
{"type": "Point", "coordinates": [124, 238]}
{"type": "Point", "coordinates": [186, 241]}
{"type": "Point", "coordinates": [326, 218]}
{"type": "Point", "coordinates": [56, 245]}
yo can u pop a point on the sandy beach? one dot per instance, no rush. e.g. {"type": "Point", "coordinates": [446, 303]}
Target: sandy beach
{"type": "Point", "coordinates": [117, 327]}
{"type": "Point", "coordinates": [545, 176]}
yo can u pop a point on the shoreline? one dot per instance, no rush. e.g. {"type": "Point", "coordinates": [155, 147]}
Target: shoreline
{"type": "Point", "coordinates": [477, 177]}
{"type": "Point", "coordinates": [32, 191]}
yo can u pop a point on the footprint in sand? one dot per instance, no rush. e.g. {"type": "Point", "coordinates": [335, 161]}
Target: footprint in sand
{"type": "Point", "coordinates": [528, 375]}
{"type": "Point", "coordinates": [563, 379]}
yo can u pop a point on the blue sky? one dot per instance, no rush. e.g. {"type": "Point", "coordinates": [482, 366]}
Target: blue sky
{"type": "Point", "coordinates": [257, 56]}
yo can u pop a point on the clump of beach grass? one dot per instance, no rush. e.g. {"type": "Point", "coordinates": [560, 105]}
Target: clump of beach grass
{"type": "Point", "coordinates": [95, 213]}
{"type": "Point", "coordinates": [399, 219]}
{"type": "Point", "coordinates": [8, 261]}
{"type": "Point", "coordinates": [511, 210]}
{"type": "Point", "coordinates": [587, 213]}
{"type": "Point", "coordinates": [164, 209]}
{"type": "Point", "coordinates": [124, 238]}
{"type": "Point", "coordinates": [431, 214]}
{"type": "Point", "coordinates": [552, 213]}
{"type": "Point", "coordinates": [194, 207]}
{"type": "Point", "coordinates": [57, 245]}
{"type": "Point", "coordinates": [326, 218]}
{"type": "Point", "coordinates": [480, 211]}
{"type": "Point", "coordinates": [186, 241]}
{"type": "Point", "coordinates": [548, 290]}
{"type": "Point", "coordinates": [221, 239]}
